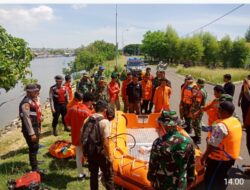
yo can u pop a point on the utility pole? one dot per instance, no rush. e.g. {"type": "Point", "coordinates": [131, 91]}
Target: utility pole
{"type": "Point", "coordinates": [116, 62]}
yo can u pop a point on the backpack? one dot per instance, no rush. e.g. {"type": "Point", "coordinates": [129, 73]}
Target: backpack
{"type": "Point", "coordinates": [91, 138]}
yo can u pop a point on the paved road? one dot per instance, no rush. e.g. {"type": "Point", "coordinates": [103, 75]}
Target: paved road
{"type": "Point", "coordinates": [176, 81]}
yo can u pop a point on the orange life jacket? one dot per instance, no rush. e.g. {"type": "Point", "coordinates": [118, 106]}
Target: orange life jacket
{"type": "Point", "coordinates": [229, 148]}
{"type": "Point", "coordinates": [69, 89]}
{"type": "Point", "coordinates": [199, 97]}
{"type": "Point", "coordinates": [187, 95]}
{"type": "Point", "coordinates": [59, 94]}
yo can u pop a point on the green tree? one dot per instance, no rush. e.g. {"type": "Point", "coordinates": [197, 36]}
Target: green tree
{"type": "Point", "coordinates": [15, 57]}
{"type": "Point", "coordinates": [194, 49]}
{"type": "Point", "coordinates": [92, 55]}
{"type": "Point", "coordinates": [247, 35]}
{"type": "Point", "coordinates": [240, 52]}
{"type": "Point", "coordinates": [211, 49]}
{"type": "Point", "coordinates": [171, 40]}
{"type": "Point", "coordinates": [182, 49]}
{"type": "Point", "coordinates": [154, 44]}
{"type": "Point", "coordinates": [225, 49]}
{"type": "Point", "coordinates": [132, 49]}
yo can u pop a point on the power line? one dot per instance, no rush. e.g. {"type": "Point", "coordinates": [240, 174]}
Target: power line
{"type": "Point", "coordinates": [215, 20]}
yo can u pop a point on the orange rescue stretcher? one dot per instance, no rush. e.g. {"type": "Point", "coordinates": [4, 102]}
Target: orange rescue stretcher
{"type": "Point", "coordinates": [130, 159]}
{"type": "Point", "coordinates": [62, 149]}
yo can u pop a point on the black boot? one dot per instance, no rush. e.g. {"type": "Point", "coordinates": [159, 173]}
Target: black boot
{"type": "Point", "coordinates": [196, 139]}
{"type": "Point", "coordinates": [55, 132]}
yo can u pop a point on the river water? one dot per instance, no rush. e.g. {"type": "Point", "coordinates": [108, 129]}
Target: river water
{"type": "Point", "coordinates": [44, 70]}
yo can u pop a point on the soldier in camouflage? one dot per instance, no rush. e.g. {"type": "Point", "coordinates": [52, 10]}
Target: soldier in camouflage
{"type": "Point", "coordinates": [101, 92]}
{"type": "Point", "coordinates": [85, 84]}
{"type": "Point", "coordinates": [172, 158]}
{"type": "Point", "coordinates": [198, 100]}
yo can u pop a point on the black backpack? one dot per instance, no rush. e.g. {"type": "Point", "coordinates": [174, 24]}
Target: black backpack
{"type": "Point", "coordinates": [91, 138]}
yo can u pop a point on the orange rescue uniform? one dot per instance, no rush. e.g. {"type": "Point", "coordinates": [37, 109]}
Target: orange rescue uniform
{"type": "Point", "coordinates": [72, 103]}
{"type": "Point", "coordinates": [212, 109]}
{"type": "Point", "coordinates": [147, 88]}
{"type": "Point", "coordinates": [113, 89]}
{"type": "Point", "coordinates": [161, 98]}
{"type": "Point", "coordinates": [75, 118]}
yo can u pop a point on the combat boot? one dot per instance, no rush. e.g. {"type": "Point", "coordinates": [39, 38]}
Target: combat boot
{"type": "Point", "coordinates": [55, 132]}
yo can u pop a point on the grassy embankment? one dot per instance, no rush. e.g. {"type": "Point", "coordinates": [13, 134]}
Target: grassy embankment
{"type": "Point", "coordinates": [61, 174]}
{"type": "Point", "coordinates": [214, 75]}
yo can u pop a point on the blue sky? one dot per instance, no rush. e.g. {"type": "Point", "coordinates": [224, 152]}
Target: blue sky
{"type": "Point", "coordinates": [69, 26]}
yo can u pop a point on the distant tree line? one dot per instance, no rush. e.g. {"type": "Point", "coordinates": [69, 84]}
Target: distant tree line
{"type": "Point", "coordinates": [90, 56]}
{"type": "Point", "coordinates": [199, 49]}
{"type": "Point", "coordinates": [132, 49]}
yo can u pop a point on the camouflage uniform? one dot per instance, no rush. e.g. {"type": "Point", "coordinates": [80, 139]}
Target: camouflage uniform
{"type": "Point", "coordinates": [85, 86]}
{"type": "Point", "coordinates": [97, 76]}
{"type": "Point", "coordinates": [172, 162]}
{"type": "Point", "coordinates": [101, 93]}
{"type": "Point", "coordinates": [196, 106]}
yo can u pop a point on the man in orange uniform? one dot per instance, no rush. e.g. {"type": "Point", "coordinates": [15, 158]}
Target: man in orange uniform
{"type": "Point", "coordinates": [75, 118]}
{"type": "Point", "coordinates": [223, 147]}
{"type": "Point", "coordinates": [113, 90]}
{"type": "Point", "coordinates": [212, 107]}
{"type": "Point", "coordinates": [77, 98]}
{"type": "Point", "coordinates": [161, 96]}
{"type": "Point", "coordinates": [148, 71]}
{"type": "Point", "coordinates": [124, 86]}
{"type": "Point", "coordinates": [147, 89]}
{"type": "Point", "coordinates": [68, 86]}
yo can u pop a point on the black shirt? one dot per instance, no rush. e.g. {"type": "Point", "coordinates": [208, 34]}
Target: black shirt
{"type": "Point", "coordinates": [134, 92]}
{"type": "Point", "coordinates": [229, 88]}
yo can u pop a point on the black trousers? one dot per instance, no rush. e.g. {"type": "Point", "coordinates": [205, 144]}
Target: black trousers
{"type": "Point", "coordinates": [145, 106]}
{"type": "Point", "coordinates": [100, 161]}
{"type": "Point", "coordinates": [248, 138]}
{"type": "Point", "coordinates": [216, 173]}
{"type": "Point", "coordinates": [60, 110]}
{"type": "Point", "coordinates": [244, 109]}
{"type": "Point", "coordinates": [33, 149]}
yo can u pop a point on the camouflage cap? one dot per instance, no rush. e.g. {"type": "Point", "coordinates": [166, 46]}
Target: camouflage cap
{"type": "Point", "coordinates": [114, 75]}
{"type": "Point", "coordinates": [168, 119]}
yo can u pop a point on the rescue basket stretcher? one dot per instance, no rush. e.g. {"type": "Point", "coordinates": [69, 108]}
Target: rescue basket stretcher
{"type": "Point", "coordinates": [132, 138]}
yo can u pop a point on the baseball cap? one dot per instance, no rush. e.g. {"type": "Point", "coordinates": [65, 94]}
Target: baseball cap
{"type": "Point", "coordinates": [101, 67]}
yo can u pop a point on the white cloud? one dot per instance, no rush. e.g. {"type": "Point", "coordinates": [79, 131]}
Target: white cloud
{"type": "Point", "coordinates": [20, 17]}
{"type": "Point", "coordinates": [78, 6]}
